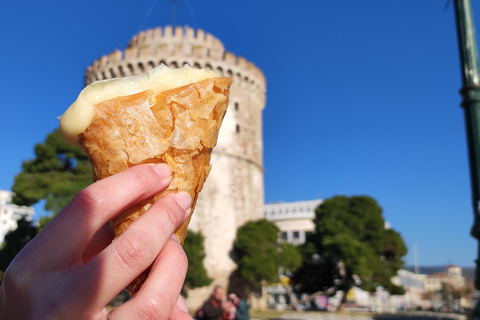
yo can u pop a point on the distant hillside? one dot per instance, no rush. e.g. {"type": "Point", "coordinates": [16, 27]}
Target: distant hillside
{"type": "Point", "coordinates": [468, 272]}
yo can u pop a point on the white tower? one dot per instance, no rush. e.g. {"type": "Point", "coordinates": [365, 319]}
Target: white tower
{"type": "Point", "coordinates": [234, 191]}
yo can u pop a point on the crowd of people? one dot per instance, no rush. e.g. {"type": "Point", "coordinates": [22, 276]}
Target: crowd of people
{"type": "Point", "coordinates": [218, 308]}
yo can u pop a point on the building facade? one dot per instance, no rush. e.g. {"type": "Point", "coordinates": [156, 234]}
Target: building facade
{"type": "Point", "coordinates": [451, 277]}
{"type": "Point", "coordinates": [11, 213]}
{"type": "Point", "coordinates": [234, 191]}
{"type": "Point", "coordinates": [294, 219]}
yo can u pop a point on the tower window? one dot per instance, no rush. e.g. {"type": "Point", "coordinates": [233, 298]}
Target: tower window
{"type": "Point", "coordinates": [130, 67]}
{"type": "Point", "coordinates": [237, 129]}
{"type": "Point", "coordinates": [236, 105]}
{"type": "Point", "coordinates": [122, 73]}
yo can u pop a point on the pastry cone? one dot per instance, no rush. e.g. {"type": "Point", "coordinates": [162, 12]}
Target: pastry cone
{"type": "Point", "coordinates": [178, 127]}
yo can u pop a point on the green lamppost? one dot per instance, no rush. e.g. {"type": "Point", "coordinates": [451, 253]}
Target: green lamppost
{"type": "Point", "coordinates": [471, 106]}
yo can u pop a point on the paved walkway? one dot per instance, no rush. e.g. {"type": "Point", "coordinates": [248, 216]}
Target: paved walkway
{"type": "Point", "coordinates": [323, 316]}
{"type": "Point", "coordinates": [357, 316]}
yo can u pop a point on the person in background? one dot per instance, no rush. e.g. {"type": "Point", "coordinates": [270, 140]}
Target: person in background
{"type": "Point", "coordinates": [215, 308]}
{"type": "Point", "coordinates": [241, 306]}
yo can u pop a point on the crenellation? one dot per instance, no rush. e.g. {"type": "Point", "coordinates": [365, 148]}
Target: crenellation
{"type": "Point", "coordinates": [157, 33]}
{"type": "Point", "coordinates": [140, 39]}
{"type": "Point", "coordinates": [94, 67]}
{"type": "Point", "coordinates": [149, 36]}
{"type": "Point", "coordinates": [178, 34]}
{"type": "Point", "coordinates": [200, 36]}
{"type": "Point", "coordinates": [242, 63]}
{"type": "Point", "coordinates": [115, 57]}
{"type": "Point", "coordinates": [168, 32]}
{"type": "Point", "coordinates": [229, 58]}
{"type": "Point", "coordinates": [190, 33]}
{"type": "Point", "coordinates": [177, 47]}
{"type": "Point", "coordinates": [102, 63]}
{"type": "Point", "coordinates": [130, 53]}
{"type": "Point", "coordinates": [209, 39]}
{"type": "Point", "coordinates": [133, 42]}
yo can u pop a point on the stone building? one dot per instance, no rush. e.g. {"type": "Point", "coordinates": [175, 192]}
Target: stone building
{"type": "Point", "coordinates": [452, 277]}
{"type": "Point", "coordinates": [294, 219]}
{"type": "Point", "coordinates": [11, 213]}
{"type": "Point", "coordinates": [234, 191]}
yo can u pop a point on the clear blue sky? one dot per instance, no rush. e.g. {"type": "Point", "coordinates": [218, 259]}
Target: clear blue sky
{"type": "Point", "coordinates": [362, 97]}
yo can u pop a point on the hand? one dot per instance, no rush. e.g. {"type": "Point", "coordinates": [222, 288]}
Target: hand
{"type": "Point", "coordinates": [72, 269]}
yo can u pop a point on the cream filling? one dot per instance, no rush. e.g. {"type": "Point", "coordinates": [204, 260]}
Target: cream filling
{"type": "Point", "coordinates": [80, 114]}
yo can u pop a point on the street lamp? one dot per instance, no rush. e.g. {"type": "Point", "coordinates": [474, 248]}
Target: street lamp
{"type": "Point", "coordinates": [471, 105]}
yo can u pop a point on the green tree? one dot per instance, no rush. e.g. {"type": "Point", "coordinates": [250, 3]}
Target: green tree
{"type": "Point", "coordinates": [58, 172]}
{"type": "Point", "coordinates": [260, 255]}
{"type": "Point", "coordinates": [194, 248]}
{"type": "Point", "coordinates": [14, 242]}
{"type": "Point", "coordinates": [350, 240]}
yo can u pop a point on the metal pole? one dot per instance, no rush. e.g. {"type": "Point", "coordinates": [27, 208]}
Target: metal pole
{"type": "Point", "coordinates": [471, 106]}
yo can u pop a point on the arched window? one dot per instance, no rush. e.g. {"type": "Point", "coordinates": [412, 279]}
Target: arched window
{"type": "Point", "coordinates": [130, 67]}
{"type": "Point", "coordinates": [122, 72]}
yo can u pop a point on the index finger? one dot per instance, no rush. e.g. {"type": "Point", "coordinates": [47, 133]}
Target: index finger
{"type": "Point", "coordinates": [67, 235]}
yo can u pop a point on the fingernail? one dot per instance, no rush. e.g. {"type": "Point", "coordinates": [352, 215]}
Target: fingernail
{"type": "Point", "coordinates": [174, 237]}
{"type": "Point", "coordinates": [162, 170]}
{"type": "Point", "coordinates": [183, 199]}
{"type": "Point", "coordinates": [181, 304]}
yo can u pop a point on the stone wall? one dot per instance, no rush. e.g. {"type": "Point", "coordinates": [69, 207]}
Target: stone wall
{"type": "Point", "coordinates": [234, 191]}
